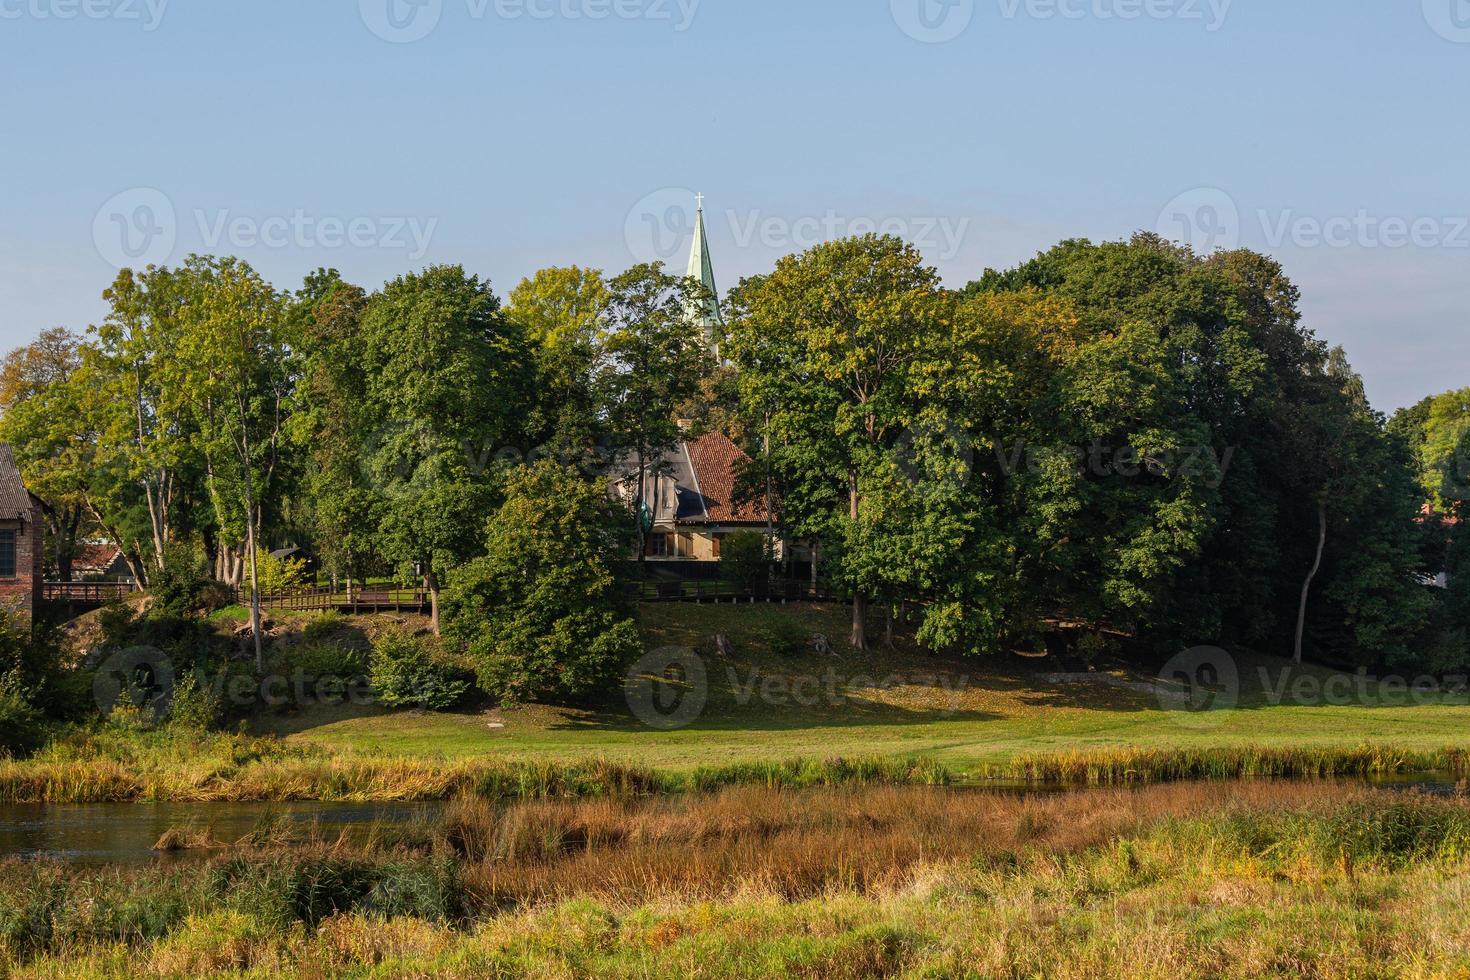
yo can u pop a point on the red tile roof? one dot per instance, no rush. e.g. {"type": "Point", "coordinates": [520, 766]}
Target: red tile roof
{"type": "Point", "coordinates": [98, 557]}
{"type": "Point", "coordinates": [716, 461]}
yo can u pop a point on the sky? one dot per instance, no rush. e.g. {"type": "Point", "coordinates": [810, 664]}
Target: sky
{"type": "Point", "coordinates": [380, 136]}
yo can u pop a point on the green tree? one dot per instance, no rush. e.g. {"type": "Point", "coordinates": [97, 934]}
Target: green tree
{"type": "Point", "coordinates": [39, 418]}
{"type": "Point", "coordinates": [233, 365]}
{"type": "Point", "coordinates": [144, 435]}
{"type": "Point", "coordinates": [652, 360]}
{"type": "Point", "coordinates": [447, 385]}
{"type": "Point", "coordinates": [560, 311]}
{"type": "Point", "coordinates": [745, 559]}
{"type": "Point", "coordinates": [541, 612]}
{"type": "Point", "coordinates": [834, 342]}
{"type": "Point", "coordinates": [341, 503]}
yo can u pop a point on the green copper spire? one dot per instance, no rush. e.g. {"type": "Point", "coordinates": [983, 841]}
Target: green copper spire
{"type": "Point", "coordinates": [706, 315]}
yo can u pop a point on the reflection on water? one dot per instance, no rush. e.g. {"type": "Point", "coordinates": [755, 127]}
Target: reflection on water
{"type": "Point", "coordinates": [108, 833]}
{"type": "Point", "coordinates": [126, 832]}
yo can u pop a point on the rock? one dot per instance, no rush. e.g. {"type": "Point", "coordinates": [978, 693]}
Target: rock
{"type": "Point", "coordinates": [723, 646]}
{"type": "Point", "coordinates": [821, 645]}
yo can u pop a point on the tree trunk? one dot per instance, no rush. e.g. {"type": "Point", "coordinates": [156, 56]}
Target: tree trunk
{"type": "Point", "coordinates": [1301, 616]}
{"type": "Point", "coordinates": [859, 601]}
{"type": "Point", "coordinates": [888, 625]}
{"type": "Point", "coordinates": [638, 505]}
{"type": "Point", "coordinates": [816, 552]}
{"type": "Point", "coordinates": [254, 592]}
{"type": "Point", "coordinates": [431, 581]}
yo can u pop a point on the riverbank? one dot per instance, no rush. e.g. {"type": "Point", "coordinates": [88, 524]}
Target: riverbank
{"type": "Point", "coordinates": [1179, 880]}
{"type": "Point", "coordinates": [173, 767]}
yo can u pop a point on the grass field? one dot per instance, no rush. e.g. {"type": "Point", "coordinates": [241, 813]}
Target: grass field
{"type": "Point", "coordinates": [1209, 880]}
{"type": "Point", "coordinates": [900, 702]}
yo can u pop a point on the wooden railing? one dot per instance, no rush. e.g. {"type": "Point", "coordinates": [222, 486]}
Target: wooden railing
{"type": "Point", "coordinates": [366, 599]}
{"type": "Point", "coordinates": [88, 593]}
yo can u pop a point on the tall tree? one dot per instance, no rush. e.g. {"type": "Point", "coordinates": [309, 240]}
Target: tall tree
{"type": "Point", "coordinates": [652, 360]}
{"type": "Point", "coordinates": [448, 380]}
{"type": "Point", "coordinates": [541, 612]}
{"type": "Point", "coordinates": [341, 501]}
{"type": "Point", "coordinates": [843, 331]}
{"type": "Point", "coordinates": [143, 423]}
{"type": "Point", "coordinates": [39, 417]}
{"type": "Point", "coordinates": [560, 311]}
{"type": "Point", "coordinates": [234, 366]}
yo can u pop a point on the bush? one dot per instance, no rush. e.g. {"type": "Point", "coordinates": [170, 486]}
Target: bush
{"type": "Point", "coordinates": [179, 585]}
{"type": "Point", "coordinates": [279, 574]}
{"type": "Point", "coordinates": [321, 670]}
{"type": "Point", "coordinates": [408, 672]}
{"type": "Point", "coordinates": [116, 620]}
{"type": "Point", "coordinates": [745, 559]}
{"type": "Point", "coordinates": [541, 613]}
{"type": "Point", "coordinates": [195, 705]}
{"type": "Point", "coordinates": [311, 888]}
{"type": "Point", "coordinates": [20, 723]}
{"type": "Point", "coordinates": [783, 637]}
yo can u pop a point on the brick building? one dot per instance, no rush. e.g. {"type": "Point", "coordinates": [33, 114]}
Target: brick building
{"type": "Point", "coordinates": [21, 531]}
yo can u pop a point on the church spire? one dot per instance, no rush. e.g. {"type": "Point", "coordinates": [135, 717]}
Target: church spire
{"type": "Point", "coordinates": [707, 314]}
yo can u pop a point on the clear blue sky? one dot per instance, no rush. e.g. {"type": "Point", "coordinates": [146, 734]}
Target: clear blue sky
{"type": "Point", "coordinates": [522, 133]}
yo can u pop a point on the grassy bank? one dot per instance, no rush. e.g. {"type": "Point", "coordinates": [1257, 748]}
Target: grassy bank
{"type": "Point", "coordinates": [158, 767]}
{"type": "Point", "coordinates": [774, 717]}
{"type": "Point", "coordinates": [968, 714]}
{"type": "Point", "coordinates": [1181, 880]}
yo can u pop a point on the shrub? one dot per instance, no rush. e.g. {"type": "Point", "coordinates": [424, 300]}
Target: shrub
{"type": "Point", "coordinates": [408, 672]}
{"type": "Point", "coordinates": [115, 619]}
{"type": "Point", "coordinates": [328, 626]}
{"type": "Point", "coordinates": [323, 669]}
{"type": "Point", "coordinates": [541, 613]}
{"type": "Point", "coordinates": [783, 637]}
{"type": "Point", "coordinates": [127, 716]}
{"type": "Point", "coordinates": [20, 723]}
{"type": "Point", "coordinates": [745, 559]}
{"type": "Point", "coordinates": [311, 888]}
{"type": "Point", "coordinates": [279, 574]}
{"type": "Point", "coordinates": [179, 585]}
{"type": "Point", "coordinates": [195, 705]}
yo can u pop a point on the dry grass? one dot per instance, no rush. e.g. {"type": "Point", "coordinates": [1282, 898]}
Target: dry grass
{"type": "Point", "coordinates": [1259, 879]}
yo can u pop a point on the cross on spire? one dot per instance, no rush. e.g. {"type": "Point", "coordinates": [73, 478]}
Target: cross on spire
{"type": "Point", "coordinates": [699, 201]}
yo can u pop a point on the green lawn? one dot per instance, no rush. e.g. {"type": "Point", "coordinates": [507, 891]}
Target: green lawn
{"type": "Point", "coordinates": [898, 702]}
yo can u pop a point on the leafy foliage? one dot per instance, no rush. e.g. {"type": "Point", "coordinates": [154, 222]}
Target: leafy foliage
{"type": "Point", "coordinates": [540, 612]}
{"type": "Point", "coordinates": [410, 672]}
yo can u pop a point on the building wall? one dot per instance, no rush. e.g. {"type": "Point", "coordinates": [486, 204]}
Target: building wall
{"type": "Point", "coordinates": [22, 592]}
{"type": "Point", "coordinates": [697, 545]}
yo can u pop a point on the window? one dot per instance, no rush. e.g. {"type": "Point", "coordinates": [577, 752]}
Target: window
{"type": "Point", "coordinates": [719, 540]}
{"type": "Point", "coordinates": [7, 554]}
{"type": "Point", "coordinates": [658, 545]}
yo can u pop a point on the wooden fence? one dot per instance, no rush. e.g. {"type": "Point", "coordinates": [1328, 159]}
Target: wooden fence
{"type": "Point", "coordinates": [367, 599]}
{"type": "Point", "coordinates": [85, 593]}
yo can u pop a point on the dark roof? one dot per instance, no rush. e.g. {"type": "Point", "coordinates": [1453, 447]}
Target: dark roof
{"type": "Point", "coordinates": [15, 501]}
